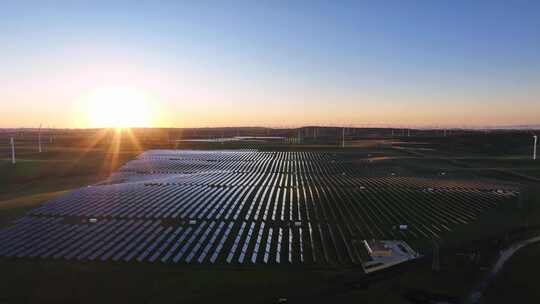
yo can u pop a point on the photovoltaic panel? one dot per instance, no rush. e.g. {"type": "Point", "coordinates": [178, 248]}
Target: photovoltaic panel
{"type": "Point", "coordinates": [246, 208]}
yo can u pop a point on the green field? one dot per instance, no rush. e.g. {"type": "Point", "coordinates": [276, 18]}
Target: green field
{"type": "Point", "coordinates": [516, 281]}
{"type": "Point", "coordinates": [72, 161]}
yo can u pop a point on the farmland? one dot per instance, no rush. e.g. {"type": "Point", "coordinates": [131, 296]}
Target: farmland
{"type": "Point", "coordinates": [241, 211]}
{"type": "Point", "coordinates": [239, 207]}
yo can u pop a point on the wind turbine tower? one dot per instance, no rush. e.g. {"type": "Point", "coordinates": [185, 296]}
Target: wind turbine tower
{"type": "Point", "coordinates": [39, 138]}
{"type": "Point", "coordinates": [12, 141]}
{"type": "Point", "coordinates": [534, 146]}
{"type": "Point", "coordinates": [343, 138]}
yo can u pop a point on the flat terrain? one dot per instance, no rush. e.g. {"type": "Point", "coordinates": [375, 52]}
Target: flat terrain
{"type": "Point", "coordinates": [75, 160]}
{"type": "Point", "coordinates": [253, 209]}
{"type": "Point", "coordinates": [516, 282]}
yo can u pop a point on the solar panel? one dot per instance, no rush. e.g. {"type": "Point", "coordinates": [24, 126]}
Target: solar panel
{"type": "Point", "coordinates": [185, 247]}
{"type": "Point", "coordinates": [179, 241]}
{"type": "Point", "coordinates": [142, 245]}
{"type": "Point", "coordinates": [257, 244]}
{"type": "Point", "coordinates": [165, 244]}
{"type": "Point", "coordinates": [199, 243]}
{"type": "Point", "coordinates": [210, 243]}
{"type": "Point", "coordinates": [268, 244]}
{"type": "Point", "coordinates": [278, 249]}
{"type": "Point", "coordinates": [244, 207]}
{"type": "Point", "coordinates": [236, 242]}
{"type": "Point", "coordinates": [243, 251]}
{"type": "Point", "coordinates": [221, 243]}
{"type": "Point", "coordinates": [148, 250]}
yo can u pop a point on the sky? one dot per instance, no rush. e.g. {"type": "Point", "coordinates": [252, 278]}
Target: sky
{"type": "Point", "coordinates": [269, 63]}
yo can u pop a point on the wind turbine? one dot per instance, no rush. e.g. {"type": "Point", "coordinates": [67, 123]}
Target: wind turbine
{"type": "Point", "coordinates": [12, 141]}
{"type": "Point", "coordinates": [343, 137]}
{"type": "Point", "coordinates": [534, 146]}
{"type": "Point", "coordinates": [39, 138]}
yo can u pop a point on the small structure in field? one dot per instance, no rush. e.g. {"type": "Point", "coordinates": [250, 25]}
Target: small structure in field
{"type": "Point", "coordinates": [381, 254]}
{"type": "Point", "coordinates": [378, 248]}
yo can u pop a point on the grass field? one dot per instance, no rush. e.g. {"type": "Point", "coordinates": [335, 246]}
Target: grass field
{"type": "Point", "coordinates": [69, 162]}
{"type": "Point", "coordinates": [73, 162]}
{"type": "Point", "coordinates": [516, 281]}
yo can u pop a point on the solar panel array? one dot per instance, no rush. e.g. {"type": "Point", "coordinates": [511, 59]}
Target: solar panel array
{"type": "Point", "coordinates": [243, 208]}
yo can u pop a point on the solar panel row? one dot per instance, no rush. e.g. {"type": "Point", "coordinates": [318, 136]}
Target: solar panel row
{"type": "Point", "coordinates": [149, 241]}
{"type": "Point", "coordinates": [368, 212]}
{"type": "Point", "coordinates": [244, 207]}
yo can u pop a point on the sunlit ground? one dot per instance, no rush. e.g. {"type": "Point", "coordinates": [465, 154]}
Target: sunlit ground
{"type": "Point", "coordinates": [69, 161]}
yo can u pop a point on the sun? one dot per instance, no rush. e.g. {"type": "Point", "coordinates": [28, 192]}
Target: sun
{"type": "Point", "coordinates": [118, 108]}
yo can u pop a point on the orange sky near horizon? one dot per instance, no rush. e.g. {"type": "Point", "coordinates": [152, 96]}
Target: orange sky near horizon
{"type": "Point", "coordinates": [187, 65]}
{"type": "Point", "coordinates": [166, 106]}
{"type": "Point", "coordinates": [67, 100]}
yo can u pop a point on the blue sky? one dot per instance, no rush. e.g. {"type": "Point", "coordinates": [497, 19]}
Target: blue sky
{"type": "Point", "coordinates": [276, 62]}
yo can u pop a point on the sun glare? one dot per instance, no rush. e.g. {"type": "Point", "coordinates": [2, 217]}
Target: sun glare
{"type": "Point", "coordinates": [118, 108]}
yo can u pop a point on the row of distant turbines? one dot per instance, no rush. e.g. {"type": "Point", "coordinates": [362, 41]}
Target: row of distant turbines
{"type": "Point", "coordinates": [405, 132]}
{"type": "Point", "coordinates": [408, 132]}
{"type": "Point", "coordinates": [12, 142]}
{"type": "Point", "coordinates": [14, 161]}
